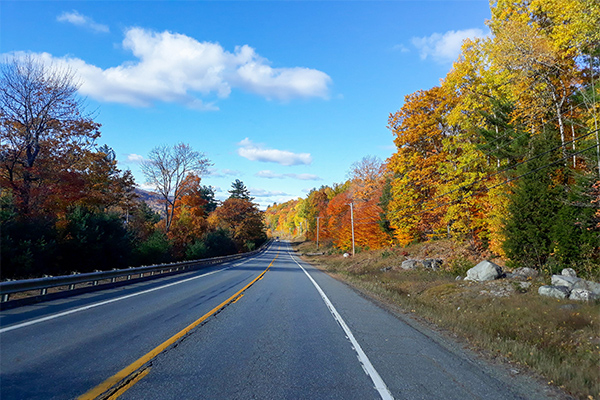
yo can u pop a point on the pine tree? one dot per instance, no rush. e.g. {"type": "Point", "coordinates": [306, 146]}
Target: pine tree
{"type": "Point", "coordinates": [534, 205]}
{"type": "Point", "coordinates": [239, 191]}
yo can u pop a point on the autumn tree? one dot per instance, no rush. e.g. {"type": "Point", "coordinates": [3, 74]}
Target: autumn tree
{"type": "Point", "coordinates": [43, 127]}
{"type": "Point", "coordinates": [189, 221]}
{"type": "Point", "coordinates": [419, 130]}
{"type": "Point", "coordinates": [367, 181]}
{"type": "Point", "coordinates": [166, 169]}
{"type": "Point", "coordinates": [315, 206]}
{"type": "Point", "coordinates": [243, 219]}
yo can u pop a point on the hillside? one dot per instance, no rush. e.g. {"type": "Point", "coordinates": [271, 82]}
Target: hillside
{"type": "Point", "coordinates": [154, 200]}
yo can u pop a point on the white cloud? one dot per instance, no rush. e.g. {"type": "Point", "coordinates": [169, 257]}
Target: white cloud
{"type": "Point", "coordinates": [78, 19]}
{"type": "Point", "coordinates": [256, 152]}
{"type": "Point", "coordinates": [304, 177]}
{"type": "Point", "coordinates": [231, 172]}
{"type": "Point", "coordinates": [147, 187]}
{"type": "Point", "coordinates": [445, 48]}
{"type": "Point", "coordinates": [272, 175]}
{"type": "Point", "coordinates": [134, 158]}
{"type": "Point", "coordinates": [215, 173]}
{"type": "Point", "coordinates": [401, 48]}
{"type": "Point", "coordinates": [269, 175]}
{"type": "Point", "coordinates": [172, 67]}
{"type": "Point", "coordinates": [266, 193]}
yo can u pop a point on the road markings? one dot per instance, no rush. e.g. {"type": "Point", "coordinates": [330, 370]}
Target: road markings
{"type": "Point", "coordinates": [109, 388]}
{"type": "Point", "coordinates": [380, 385]}
{"type": "Point", "coordinates": [62, 314]}
{"type": "Point", "coordinates": [132, 382]}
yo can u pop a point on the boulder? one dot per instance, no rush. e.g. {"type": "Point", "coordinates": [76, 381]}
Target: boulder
{"type": "Point", "coordinates": [560, 292]}
{"type": "Point", "coordinates": [432, 263]}
{"type": "Point", "coordinates": [562, 280]}
{"type": "Point", "coordinates": [484, 271]}
{"type": "Point", "coordinates": [410, 264]}
{"type": "Point", "coordinates": [593, 287]}
{"type": "Point", "coordinates": [569, 272]}
{"type": "Point", "coordinates": [524, 285]}
{"type": "Point", "coordinates": [525, 272]}
{"type": "Point", "coordinates": [582, 295]}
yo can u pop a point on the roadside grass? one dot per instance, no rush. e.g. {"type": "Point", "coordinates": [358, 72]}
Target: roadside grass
{"type": "Point", "coordinates": [558, 339]}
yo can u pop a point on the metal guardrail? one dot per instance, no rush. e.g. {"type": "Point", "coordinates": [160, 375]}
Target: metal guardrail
{"type": "Point", "coordinates": [43, 284]}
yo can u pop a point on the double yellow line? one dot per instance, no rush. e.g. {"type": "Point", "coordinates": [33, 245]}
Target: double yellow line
{"type": "Point", "coordinates": [117, 384]}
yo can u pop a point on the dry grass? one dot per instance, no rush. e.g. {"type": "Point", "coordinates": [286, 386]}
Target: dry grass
{"type": "Point", "coordinates": [559, 339]}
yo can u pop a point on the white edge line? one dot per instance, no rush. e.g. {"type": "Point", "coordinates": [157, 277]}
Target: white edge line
{"type": "Point", "coordinates": [380, 385]}
{"type": "Point", "coordinates": [62, 314]}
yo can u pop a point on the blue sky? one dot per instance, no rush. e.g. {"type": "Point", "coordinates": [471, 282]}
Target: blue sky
{"type": "Point", "coordinates": [283, 95]}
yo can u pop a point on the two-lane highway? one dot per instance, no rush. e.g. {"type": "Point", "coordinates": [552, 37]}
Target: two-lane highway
{"type": "Point", "coordinates": [289, 332]}
{"type": "Point", "coordinates": [62, 348]}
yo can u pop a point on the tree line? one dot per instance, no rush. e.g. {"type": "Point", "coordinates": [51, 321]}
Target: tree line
{"type": "Point", "coordinates": [66, 207]}
{"type": "Point", "coordinates": [503, 155]}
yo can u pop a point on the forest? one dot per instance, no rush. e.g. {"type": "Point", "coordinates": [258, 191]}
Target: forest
{"type": "Point", "coordinates": [502, 157]}
{"type": "Point", "coordinates": [66, 207]}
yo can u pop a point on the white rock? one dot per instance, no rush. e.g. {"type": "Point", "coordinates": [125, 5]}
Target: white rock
{"type": "Point", "coordinates": [410, 264]}
{"type": "Point", "coordinates": [593, 287]}
{"type": "Point", "coordinates": [582, 295]}
{"type": "Point", "coordinates": [526, 272]}
{"type": "Point", "coordinates": [432, 263]}
{"type": "Point", "coordinates": [567, 281]}
{"type": "Point", "coordinates": [524, 285]}
{"type": "Point", "coordinates": [560, 292]}
{"type": "Point", "coordinates": [346, 255]}
{"type": "Point", "coordinates": [569, 272]}
{"type": "Point", "coordinates": [484, 271]}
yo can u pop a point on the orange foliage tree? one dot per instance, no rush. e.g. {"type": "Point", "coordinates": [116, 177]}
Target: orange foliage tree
{"type": "Point", "coordinates": [420, 129]}
{"type": "Point", "coordinates": [189, 219]}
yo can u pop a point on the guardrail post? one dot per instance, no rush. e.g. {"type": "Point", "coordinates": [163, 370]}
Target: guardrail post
{"type": "Point", "coordinates": [71, 286]}
{"type": "Point", "coordinates": [95, 283]}
{"type": "Point", "coordinates": [5, 297]}
{"type": "Point", "coordinates": [128, 277]}
{"type": "Point", "coordinates": [141, 274]}
{"type": "Point", "coordinates": [44, 291]}
{"type": "Point", "coordinates": [113, 280]}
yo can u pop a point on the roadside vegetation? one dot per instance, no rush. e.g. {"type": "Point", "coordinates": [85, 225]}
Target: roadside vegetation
{"type": "Point", "coordinates": [66, 207]}
{"type": "Point", "coordinates": [558, 339]}
{"type": "Point", "coordinates": [499, 162]}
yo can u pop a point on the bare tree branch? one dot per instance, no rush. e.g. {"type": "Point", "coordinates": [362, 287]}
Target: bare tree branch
{"type": "Point", "coordinates": [166, 169]}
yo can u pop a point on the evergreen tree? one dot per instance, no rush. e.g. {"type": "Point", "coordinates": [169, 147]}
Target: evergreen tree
{"type": "Point", "coordinates": [239, 191]}
{"type": "Point", "coordinates": [534, 205]}
{"type": "Point", "coordinates": [575, 234]}
{"type": "Point", "coordinates": [384, 202]}
{"type": "Point", "coordinates": [208, 194]}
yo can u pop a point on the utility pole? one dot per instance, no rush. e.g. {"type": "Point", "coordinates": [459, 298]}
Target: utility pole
{"type": "Point", "coordinates": [318, 218]}
{"type": "Point", "coordinates": [352, 221]}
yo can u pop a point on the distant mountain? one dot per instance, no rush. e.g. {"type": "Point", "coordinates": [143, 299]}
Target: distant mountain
{"type": "Point", "coordinates": [154, 200]}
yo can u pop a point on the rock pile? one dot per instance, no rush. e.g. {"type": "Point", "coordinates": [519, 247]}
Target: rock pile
{"type": "Point", "coordinates": [428, 263]}
{"type": "Point", "coordinates": [568, 286]}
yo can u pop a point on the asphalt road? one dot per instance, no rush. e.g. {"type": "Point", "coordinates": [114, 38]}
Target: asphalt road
{"type": "Point", "coordinates": [295, 333]}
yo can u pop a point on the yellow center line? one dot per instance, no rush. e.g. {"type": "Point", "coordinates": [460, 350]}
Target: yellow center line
{"type": "Point", "coordinates": [129, 384]}
{"type": "Point", "coordinates": [112, 382]}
